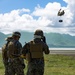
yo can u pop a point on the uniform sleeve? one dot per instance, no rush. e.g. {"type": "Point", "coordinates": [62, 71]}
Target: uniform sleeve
{"type": "Point", "coordinates": [18, 45]}
{"type": "Point", "coordinates": [25, 49]}
{"type": "Point", "coordinates": [46, 49]}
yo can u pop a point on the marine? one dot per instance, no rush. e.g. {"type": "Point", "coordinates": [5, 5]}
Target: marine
{"type": "Point", "coordinates": [5, 56]}
{"type": "Point", "coordinates": [16, 63]}
{"type": "Point", "coordinates": [33, 52]}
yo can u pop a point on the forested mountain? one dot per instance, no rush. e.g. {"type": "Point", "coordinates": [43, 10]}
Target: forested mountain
{"type": "Point", "coordinates": [53, 39]}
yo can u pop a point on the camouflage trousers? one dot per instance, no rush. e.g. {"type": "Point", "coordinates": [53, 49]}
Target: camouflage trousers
{"type": "Point", "coordinates": [6, 68]}
{"type": "Point", "coordinates": [15, 67]}
{"type": "Point", "coordinates": [5, 62]}
{"type": "Point", "coordinates": [36, 67]}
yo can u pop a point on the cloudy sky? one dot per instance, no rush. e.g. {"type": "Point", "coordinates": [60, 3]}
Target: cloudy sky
{"type": "Point", "coordinates": [29, 15]}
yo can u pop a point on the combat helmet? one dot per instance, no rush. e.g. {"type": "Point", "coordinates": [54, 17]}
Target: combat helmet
{"type": "Point", "coordinates": [39, 32]}
{"type": "Point", "coordinates": [9, 38]}
{"type": "Point", "coordinates": [16, 34]}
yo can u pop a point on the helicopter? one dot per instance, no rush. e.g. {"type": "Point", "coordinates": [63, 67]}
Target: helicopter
{"type": "Point", "coordinates": [60, 13]}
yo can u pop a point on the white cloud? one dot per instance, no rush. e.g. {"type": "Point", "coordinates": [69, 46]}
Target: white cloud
{"type": "Point", "coordinates": [71, 8]}
{"type": "Point", "coordinates": [43, 18]}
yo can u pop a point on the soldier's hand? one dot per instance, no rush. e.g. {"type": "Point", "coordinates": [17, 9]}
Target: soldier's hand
{"type": "Point", "coordinates": [23, 56]}
{"type": "Point", "coordinates": [44, 39]}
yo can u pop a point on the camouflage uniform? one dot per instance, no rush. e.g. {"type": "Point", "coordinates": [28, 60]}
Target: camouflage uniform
{"type": "Point", "coordinates": [4, 55]}
{"type": "Point", "coordinates": [16, 64]}
{"type": "Point", "coordinates": [34, 54]}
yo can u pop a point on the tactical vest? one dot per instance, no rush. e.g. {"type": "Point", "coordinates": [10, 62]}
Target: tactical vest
{"type": "Point", "coordinates": [35, 51]}
{"type": "Point", "coordinates": [12, 50]}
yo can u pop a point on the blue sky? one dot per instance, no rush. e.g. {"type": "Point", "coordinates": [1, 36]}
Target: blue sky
{"type": "Point", "coordinates": [9, 5]}
{"type": "Point", "coordinates": [29, 15]}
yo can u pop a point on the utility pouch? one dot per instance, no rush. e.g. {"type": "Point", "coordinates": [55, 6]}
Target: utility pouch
{"type": "Point", "coordinates": [36, 50]}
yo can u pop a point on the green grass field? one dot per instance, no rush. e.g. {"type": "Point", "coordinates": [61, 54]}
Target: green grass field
{"type": "Point", "coordinates": [54, 65]}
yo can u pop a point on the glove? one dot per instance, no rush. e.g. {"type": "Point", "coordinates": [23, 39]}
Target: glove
{"type": "Point", "coordinates": [44, 39]}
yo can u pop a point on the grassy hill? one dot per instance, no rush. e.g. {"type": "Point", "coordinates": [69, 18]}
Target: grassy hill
{"type": "Point", "coordinates": [54, 65]}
